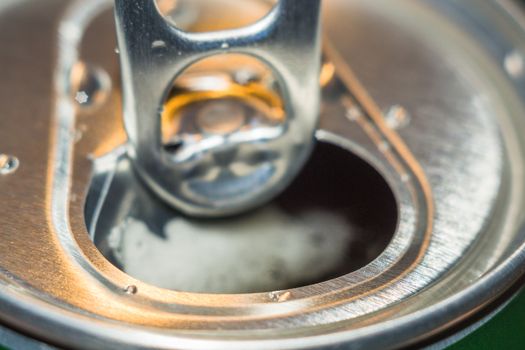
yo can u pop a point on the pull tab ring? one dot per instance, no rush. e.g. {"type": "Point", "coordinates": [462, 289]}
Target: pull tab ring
{"type": "Point", "coordinates": [287, 40]}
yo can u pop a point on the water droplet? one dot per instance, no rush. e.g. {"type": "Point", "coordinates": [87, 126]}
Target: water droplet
{"type": "Point", "coordinates": [82, 97]}
{"type": "Point", "coordinates": [78, 136]}
{"type": "Point", "coordinates": [225, 45]}
{"type": "Point", "coordinates": [397, 117]}
{"type": "Point", "coordinates": [117, 51]}
{"type": "Point", "coordinates": [514, 64]}
{"type": "Point", "coordinates": [8, 164]}
{"type": "Point", "coordinates": [90, 85]}
{"type": "Point", "coordinates": [79, 133]}
{"type": "Point", "coordinates": [274, 296]}
{"type": "Point", "coordinates": [279, 296]}
{"type": "Point", "coordinates": [131, 289]}
{"type": "Point", "coordinates": [353, 113]}
{"type": "Point", "coordinates": [384, 146]}
{"type": "Point", "coordinates": [158, 44]}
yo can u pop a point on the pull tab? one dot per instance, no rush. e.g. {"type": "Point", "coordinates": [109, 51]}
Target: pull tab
{"type": "Point", "coordinates": [287, 40]}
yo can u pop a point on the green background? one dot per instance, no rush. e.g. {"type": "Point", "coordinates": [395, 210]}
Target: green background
{"type": "Point", "coordinates": [505, 331]}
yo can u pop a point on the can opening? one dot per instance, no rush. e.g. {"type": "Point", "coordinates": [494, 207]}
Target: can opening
{"type": "Point", "coordinates": [337, 216]}
{"type": "Point", "coordinates": [217, 97]}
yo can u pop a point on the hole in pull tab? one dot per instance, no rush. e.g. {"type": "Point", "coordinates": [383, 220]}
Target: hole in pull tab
{"type": "Point", "coordinates": [199, 16]}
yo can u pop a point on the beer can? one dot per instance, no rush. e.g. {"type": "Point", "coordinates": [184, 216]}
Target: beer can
{"type": "Point", "coordinates": [405, 228]}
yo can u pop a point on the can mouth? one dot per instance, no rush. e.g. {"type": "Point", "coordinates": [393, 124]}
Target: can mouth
{"type": "Point", "coordinates": [337, 217]}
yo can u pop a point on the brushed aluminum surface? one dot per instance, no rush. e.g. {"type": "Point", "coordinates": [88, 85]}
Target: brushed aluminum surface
{"type": "Point", "coordinates": [456, 171]}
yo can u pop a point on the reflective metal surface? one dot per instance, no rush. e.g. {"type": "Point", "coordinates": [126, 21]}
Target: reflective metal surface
{"type": "Point", "coordinates": [455, 169]}
{"type": "Point", "coordinates": [216, 171]}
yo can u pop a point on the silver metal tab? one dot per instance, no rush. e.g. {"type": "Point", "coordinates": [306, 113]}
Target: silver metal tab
{"type": "Point", "coordinates": [221, 173]}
